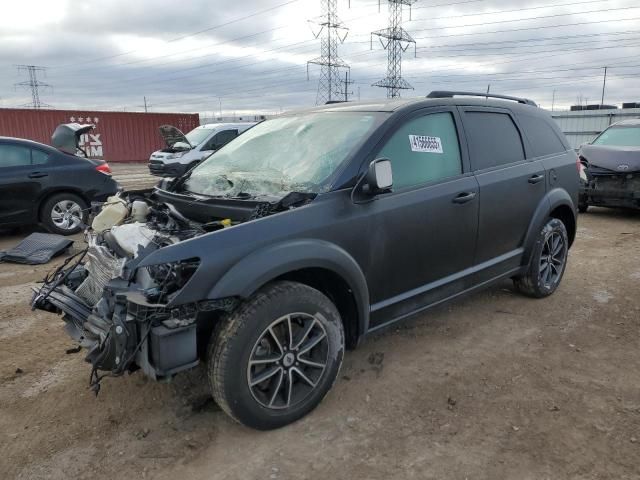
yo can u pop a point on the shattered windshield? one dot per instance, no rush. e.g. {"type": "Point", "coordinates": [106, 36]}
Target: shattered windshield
{"type": "Point", "coordinates": [620, 137]}
{"type": "Point", "coordinates": [198, 135]}
{"type": "Point", "coordinates": [283, 155]}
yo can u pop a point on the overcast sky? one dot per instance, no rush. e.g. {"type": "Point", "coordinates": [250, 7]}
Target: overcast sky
{"type": "Point", "coordinates": [250, 55]}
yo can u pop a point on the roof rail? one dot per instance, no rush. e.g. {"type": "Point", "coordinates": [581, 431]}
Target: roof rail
{"type": "Point", "coordinates": [451, 94]}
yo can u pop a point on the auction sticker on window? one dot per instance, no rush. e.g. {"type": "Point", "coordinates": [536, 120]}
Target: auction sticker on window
{"type": "Point", "coordinates": [425, 144]}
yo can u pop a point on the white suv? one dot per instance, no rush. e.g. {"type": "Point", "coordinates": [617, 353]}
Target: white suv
{"type": "Point", "coordinates": [185, 151]}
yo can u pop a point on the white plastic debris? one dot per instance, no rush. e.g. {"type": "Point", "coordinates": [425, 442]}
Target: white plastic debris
{"type": "Point", "coordinates": [132, 236]}
{"type": "Point", "coordinates": [139, 211]}
{"type": "Point", "coordinates": [113, 213]}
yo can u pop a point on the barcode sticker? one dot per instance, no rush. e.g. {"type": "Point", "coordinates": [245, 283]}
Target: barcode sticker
{"type": "Point", "coordinates": [425, 144]}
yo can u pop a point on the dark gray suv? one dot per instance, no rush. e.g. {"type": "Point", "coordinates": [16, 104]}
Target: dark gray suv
{"type": "Point", "coordinates": [314, 229]}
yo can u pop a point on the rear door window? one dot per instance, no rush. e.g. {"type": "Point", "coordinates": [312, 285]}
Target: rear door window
{"type": "Point", "coordinates": [424, 150]}
{"type": "Point", "coordinates": [14, 156]}
{"type": "Point", "coordinates": [39, 157]}
{"type": "Point", "coordinates": [543, 139]}
{"type": "Point", "coordinates": [494, 139]}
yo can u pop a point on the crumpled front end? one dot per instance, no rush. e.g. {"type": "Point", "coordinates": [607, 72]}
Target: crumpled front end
{"type": "Point", "coordinates": [118, 311]}
{"type": "Point", "coordinates": [613, 176]}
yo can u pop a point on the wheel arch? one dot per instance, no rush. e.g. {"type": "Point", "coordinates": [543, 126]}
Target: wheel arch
{"type": "Point", "coordinates": [557, 203]}
{"type": "Point", "coordinates": [316, 263]}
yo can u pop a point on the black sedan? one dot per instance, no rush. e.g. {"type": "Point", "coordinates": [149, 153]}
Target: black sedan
{"type": "Point", "coordinates": [612, 166]}
{"type": "Point", "coordinates": [42, 184]}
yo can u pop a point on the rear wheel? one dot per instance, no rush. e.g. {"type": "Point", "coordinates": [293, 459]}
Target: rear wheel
{"type": "Point", "coordinates": [274, 359]}
{"type": "Point", "coordinates": [64, 213]}
{"type": "Point", "coordinates": [548, 261]}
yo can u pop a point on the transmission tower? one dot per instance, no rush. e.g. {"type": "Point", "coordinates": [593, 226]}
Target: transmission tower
{"type": "Point", "coordinates": [395, 40]}
{"type": "Point", "coordinates": [333, 32]}
{"type": "Point", "coordinates": [34, 84]}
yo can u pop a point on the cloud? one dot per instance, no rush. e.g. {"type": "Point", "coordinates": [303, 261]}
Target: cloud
{"type": "Point", "coordinates": [192, 56]}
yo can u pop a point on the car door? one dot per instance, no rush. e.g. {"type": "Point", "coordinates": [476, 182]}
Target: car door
{"type": "Point", "coordinates": [423, 234]}
{"type": "Point", "coordinates": [20, 182]}
{"type": "Point", "coordinates": [511, 188]}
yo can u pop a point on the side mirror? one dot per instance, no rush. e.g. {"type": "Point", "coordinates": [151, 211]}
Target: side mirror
{"type": "Point", "coordinates": [379, 177]}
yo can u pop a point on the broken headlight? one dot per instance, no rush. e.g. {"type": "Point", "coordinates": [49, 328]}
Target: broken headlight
{"type": "Point", "coordinates": [168, 278]}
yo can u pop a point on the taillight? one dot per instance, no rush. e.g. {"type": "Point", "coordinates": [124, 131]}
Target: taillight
{"type": "Point", "coordinates": [104, 168]}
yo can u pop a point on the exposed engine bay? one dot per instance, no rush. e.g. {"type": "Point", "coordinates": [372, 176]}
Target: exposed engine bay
{"type": "Point", "coordinates": [123, 313]}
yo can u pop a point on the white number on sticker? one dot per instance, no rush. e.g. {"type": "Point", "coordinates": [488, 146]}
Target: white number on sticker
{"type": "Point", "coordinates": [425, 144]}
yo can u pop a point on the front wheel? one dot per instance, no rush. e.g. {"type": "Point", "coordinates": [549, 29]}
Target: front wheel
{"type": "Point", "coordinates": [276, 357]}
{"type": "Point", "coordinates": [548, 261]}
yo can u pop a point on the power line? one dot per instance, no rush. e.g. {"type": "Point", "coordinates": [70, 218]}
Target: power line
{"type": "Point", "coordinates": [108, 57]}
{"type": "Point", "coordinates": [285, 46]}
{"type": "Point", "coordinates": [33, 84]}
{"type": "Point", "coordinates": [397, 41]}
{"type": "Point", "coordinates": [333, 32]}
{"type": "Point", "coordinates": [540, 27]}
{"type": "Point", "coordinates": [540, 17]}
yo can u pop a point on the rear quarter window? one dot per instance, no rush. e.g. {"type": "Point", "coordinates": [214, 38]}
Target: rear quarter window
{"type": "Point", "coordinates": [494, 140]}
{"type": "Point", "coordinates": [543, 139]}
{"type": "Point", "coordinates": [39, 157]}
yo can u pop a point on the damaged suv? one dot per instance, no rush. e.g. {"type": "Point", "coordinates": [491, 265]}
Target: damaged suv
{"type": "Point", "coordinates": [312, 230]}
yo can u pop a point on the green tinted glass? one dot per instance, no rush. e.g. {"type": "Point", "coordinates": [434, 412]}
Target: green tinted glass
{"type": "Point", "coordinates": [424, 150]}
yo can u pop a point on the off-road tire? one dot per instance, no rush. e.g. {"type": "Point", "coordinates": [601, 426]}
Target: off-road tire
{"type": "Point", "coordinates": [49, 204]}
{"type": "Point", "coordinates": [531, 284]}
{"type": "Point", "coordinates": [233, 340]}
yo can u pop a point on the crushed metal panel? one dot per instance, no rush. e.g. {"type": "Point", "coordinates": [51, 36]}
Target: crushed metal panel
{"type": "Point", "coordinates": [101, 266]}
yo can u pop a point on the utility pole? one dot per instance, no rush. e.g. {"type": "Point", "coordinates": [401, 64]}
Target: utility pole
{"type": "Point", "coordinates": [553, 101]}
{"type": "Point", "coordinates": [604, 85]}
{"type": "Point", "coordinates": [395, 40]}
{"type": "Point", "coordinates": [146, 105]}
{"type": "Point", "coordinates": [34, 84]}
{"type": "Point", "coordinates": [488, 90]}
{"type": "Point", "coordinates": [347, 82]}
{"type": "Point", "coordinates": [333, 32]}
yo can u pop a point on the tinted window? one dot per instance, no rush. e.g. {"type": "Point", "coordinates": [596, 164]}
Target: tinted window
{"type": "Point", "coordinates": [223, 138]}
{"type": "Point", "coordinates": [542, 137]}
{"type": "Point", "coordinates": [38, 157]}
{"type": "Point", "coordinates": [14, 156]}
{"type": "Point", "coordinates": [423, 150]}
{"type": "Point", "coordinates": [494, 139]}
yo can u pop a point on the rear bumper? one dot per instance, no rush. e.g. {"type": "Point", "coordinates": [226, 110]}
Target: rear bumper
{"type": "Point", "coordinates": [109, 189]}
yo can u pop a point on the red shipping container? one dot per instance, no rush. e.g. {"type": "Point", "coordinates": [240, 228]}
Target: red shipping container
{"type": "Point", "coordinates": [118, 136]}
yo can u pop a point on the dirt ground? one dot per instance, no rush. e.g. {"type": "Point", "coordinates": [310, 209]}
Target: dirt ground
{"type": "Point", "coordinates": [495, 386]}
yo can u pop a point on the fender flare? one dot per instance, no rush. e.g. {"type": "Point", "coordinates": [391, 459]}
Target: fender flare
{"type": "Point", "coordinates": [268, 263]}
{"type": "Point", "coordinates": [552, 200]}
